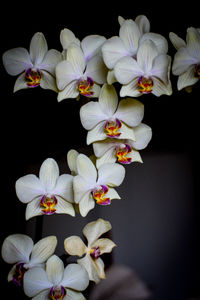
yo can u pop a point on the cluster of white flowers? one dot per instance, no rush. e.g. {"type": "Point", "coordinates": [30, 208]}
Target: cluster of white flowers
{"type": "Point", "coordinates": [137, 60]}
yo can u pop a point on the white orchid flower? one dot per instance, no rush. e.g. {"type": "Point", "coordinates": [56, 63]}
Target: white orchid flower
{"type": "Point", "coordinates": [48, 194]}
{"type": "Point", "coordinates": [148, 73]}
{"type": "Point", "coordinates": [56, 282]}
{"type": "Point", "coordinates": [186, 64]}
{"type": "Point", "coordinates": [91, 185]}
{"type": "Point", "coordinates": [95, 248]}
{"type": "Point", "coordinates": [76, 76]}
{"type": "Point", "coordinates": [20, 250]}
{"type": "Point", "coordinates": [36, 67]}
{"type": "Point", "coordinates": [123, 151]}
{"type": "Point", "coordinates": [131, 35]}
{"type": "Point", "coordinates": [108, 118]}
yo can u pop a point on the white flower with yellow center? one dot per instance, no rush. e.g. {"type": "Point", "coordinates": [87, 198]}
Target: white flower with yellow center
{"type": "Point", "coordinates": [77, 75]}
{"type": "Point", "coordinates": [19, 249]}
{"type": "Point", "coordinates": [36, 67]}
{"type": "Point", "coordinates": [56, 282]}
{"type": "Point", "coordinates": [48, 194]}
{"type": "Point", "coordinates": [186, 64]}
{"type": "Point", "coordinates": [147, 73]}
{"type": "Point", "coordinates": [95, 248]}
{"type": "Point", "coordinates": [91, 185]}
{"type": "Point", "coordinates": [109, 118]}
{"type": "Point", "coordinates": [123, 151]}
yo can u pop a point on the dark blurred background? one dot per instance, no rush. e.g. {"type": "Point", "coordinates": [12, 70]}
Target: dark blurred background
{"type": "Point", "coordinates": [156, 224]}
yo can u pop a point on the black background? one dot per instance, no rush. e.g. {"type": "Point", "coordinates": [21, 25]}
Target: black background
{"type": "Point", "coordinates": [35, 126]}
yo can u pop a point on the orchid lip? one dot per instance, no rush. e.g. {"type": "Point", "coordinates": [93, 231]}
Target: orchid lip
{"type": "Point", "coordinates": [48, 204]}
{"type": "Point", "coordinates": [85, 87]}
{"type": "Point", "coordinates": [19, 274]}
{"type": "Point", "coordinates": [95, 252]}
{"type": "Point", "coordinates": [112, 127]}
{"type": "Point", "coordinates": [145, 85]}
{"type": "Point", "coordinates": [122, 151]}
{"type": "Point", "coordinates": [32, 77]}
{"type": "Point", "coordinates": [57, 293]}
{"type": "Point", "coordinates": [99, 195]}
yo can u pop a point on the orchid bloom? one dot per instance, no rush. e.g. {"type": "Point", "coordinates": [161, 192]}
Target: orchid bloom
{"type": "Point", "coordinates": [131, 35]}
{"type": "Point", "coordinates": [36, 67]}
{"type": "Point", "coordinates": [78, 75]}
{"type": "Point", "coordinates": [56, 282]}
{"type": "Point", "coordinates": [123, 151]}
{"type": "Point", "coordinates": [91, 185]}
{"type": "Point", "coordinates": [48, 194]}
{"type": "Point", "coordinates": [148, 73]}
{"type": "Point", "coordinates": [108, 118]}
{"type": "Point", "coordinates": [186, 64]}
{"type": "Point", "coordinates": [19, 249]}
{"type": "Point", "coordinates": [95, 248]}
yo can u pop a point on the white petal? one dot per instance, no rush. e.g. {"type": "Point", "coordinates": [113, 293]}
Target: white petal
{"type": "Point", "coordinates": [99, 264]}
{"type": "Point", "coordinates": [67, 37]}
{"type": "Point", "coordinates": [74, 246]}
{"type": "Point", "coordinates": [71, 161]}
{"type": "Point", "coordinates": [160, 88]}
{"type": "Point", "coordinates": [112, 194]}
{"type": "Point", "coordinates": [65, 73]}
{"type": "Point", "coordinates": [126, 69]}
{"type": "Point", "coordinates": [101, 147]}
{"type": "Point", "coordinates": [159, 41]}
{"type": "Point", "coordinates": [64, 187]}
{"type": "Point", "coordinates": [108, 99]}
{"type": "Point", "coordinates": [176, 40]}
{"type": "Point", "coordinates": [70, 91]}
{"type": "Point", "coordinates": [49, 173]}
{"type": "Point", "coordinates": [86, 168]}
{"type": "Point", "coordinates": [182, 61]}
{"type": "Point", "coordinates": [42, 250]}
{"type": "Point", "coordinates": [38, 48]}
{"type": "Point", "coordinates": [91, 114]}
{"type": "Point", "coordinates": [87, 263]}
{"type": "Point", "coordinates": [86, 204]}
{"type": "Point", "coordinates": [130, 111]}
{"type": "Point", "coordinates": [72, 295]}
{"type": "Point", "coordinates": [20, 83]}
{"type": "Point", "coordinates": [44, 295]}
{"type": "Point", "coordinates": [143, 135]}
{"type": "Point", "coordinates": [187, 78]}
{"type": "Point", "coordinates": [64, 207]}
{"type": "Point", "coordinates": [76, 57]}
{"type": "Point", "coordinates": [105, 245]}
{"type": "Point", "coordinates": [16, 61]}
{"type": "Point", "coordinates": [111, 77]}
{"type": "Point", "coordinates": [48, 81]}
{"type": "Point", "coordinates": [96, 69]}
{"type": "Point", "coordinates": [135, 156]}
{"type": "Point", "coordinates": [91, 45]}
{"type": "Point", "coordinates": [130, 89]}
{"type": "Point", "coordinates": [130, 34]}
{"type": "Point", "coordinates": [93, 230]}
{"type": "Point", "coordinates": [143, 23]}
{"type": "Point", "coordinates": [17, 248]}
{"type": "Point", "coordinates": [160, 67]}
{"type": "Point", "coordinates": [33, 209]}
{"type": "Point", "coordinates": [50, 61]}
{"type": "Point", "coordinates": [147, 51]}
{"type": "Point", "coordinates": [108, 157]}
{"type": "Point", "coordinates": [193, 42]}
{"type": "Point", "coordinates": [55, 269]}
{"type": "Point", "coordinates": [96, 134]}
{"type": "Point", "coordinates": [75, 277]}
{"type": "Point", "coordinates": [112, 50]}
{"type": "Point", "coordinates": [81, 188]}
{"type": "Point", "coordinates": [111, 174]}
{"type": "Point", "coordinates": [121, 20]}
{"type": "Point", "coordinates": [126, 132]}
{"type": "Point", "coordinates": [36, 281]}
{"type": "Point", "coordinates": [28, 187]}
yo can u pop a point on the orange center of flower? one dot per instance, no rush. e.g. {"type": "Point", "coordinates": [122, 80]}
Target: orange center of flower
{"type": "Point", "coordinates": [145, 85]}
{"type": "Point", "coordinates": [32, 77]}
{"type": "Point", "coordinates": [57, 293]}
{"type": "Point", "coordinates": [112, 128]}
{"type": "Point", "coordinates": [19, 274]}
{"type": "Point", "coordinates": [121, 152]}
{"type": "Point", "coordinates": [99, 195]}
{"type": "Point", "coordinates": [85, 87]}
{"type": "Point", "coordinates": [48, 204]}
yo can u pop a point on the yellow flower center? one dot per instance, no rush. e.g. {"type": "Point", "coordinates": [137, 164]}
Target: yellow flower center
{"type": "Point", "coordinates": [57, 293]}
{"type": "Point", "coordinates": [99, 195]}
{"type": "Point", "coordinates": [145, 85]}
{"type": "Point", "coordinates": [112, 128]}
{"type": "Point", "coordinates": [85, 87]}
{"type": "Point", "coordinates": [121, 152]}
{"type": "Point", "coordinates": [48, 204]}
{"type": "Point", "coordinates": [32, 77]}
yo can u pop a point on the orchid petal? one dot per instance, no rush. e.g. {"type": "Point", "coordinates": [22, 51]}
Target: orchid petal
{"type": "Point", "coordinates": [36, 281]}
{"type": "Point", "coordinates": [182, 61]}
{"type": "Point", "coordinates": [71, 161]}
{"type": "Point", "coordinates": [86, 204]}
{"type": "Point", "coordinates": [130, 34]}
{"type": "Point", "coordinates": [75, 246]}
{"type": "Point", "coordinates": [160, 88]}
{"type": "Point", "coordinates": [91, 45]}
{"type": "Point", "coordinates": [67, 37]}
{"type": "Point", "coordinates": [176, 40]}
{"type": "Point", "coordinates": [111, 77]}
{"type": "Point", "coordinates": [33, 209]}
{"type": "Point", "coordinates": [81, 188]}
{"type": "Point", "coordinates": [44, 295]}
{"type": "Point", "coordinates": [65, 74]}
{"type": "Point", "coordinates": [70, 91]}
{"type": "Point", "coordinates": [187, 78]}
{"type": "Point", "coordinates": [17, 248]}
{"type": "Point", "coordinates": [93, 230]}
{"type": "Point", "coordinates": [143, 135]}
{"type": "Point", "coordinates": [28, 187]}
{"type": "Point", "coordinates": [99, 264]}
{"type": "Point", "coordinates": [72, 295]}
{"type": "Point", "coordinates": [112, 50]}
{"type": "Point", "coordinates": [147, 51]}
{"type": "Point", "coordinates": [76, 57]}
{"type": "Point", "coordinates": [159, 41]}
{"type": "Point", "coordinates": [50, 61]}
{"type": "Point", "coordinates": [126, 132]}
{"type": "Point", "coordinates": [55, 269]}
{"type": "Point", "coordinates": [42, 250]}
{"type": "Point", "coordinates": [64, 207]}
{"type": "Point", "coordinates": [193, 42]}
{"type": "Point", "coordinates": [48, 81]}
{"type": "Point", "coordinates": [86, 168]}
{"type": "Point", "coordinates": [126, 69]}
{"type": "Point", "coordinates": [75, 277]}
{"type": "Point", "coordinates": [91, 114]}
{"type": "Point", "coordinates": [112, 194]}
{"type": "Point", "coordinates": [130, 89]}
{"type": "Point", "coordinates": [101, 147]}
{"type": "Point", "coordinates": [135, 156]}
{"type": "Point", "coordinates": [20, 83]}
{"type": "Point", "coordinates": [108, 99]}
{"type": "Point", "coordinates": [111, 174]}
{"type": "Point", "coordinates": [16, 61]}
{"type": "Point", "coordinates": [108, 157]}
{"type": "Point", "coordinates": [49, 173]}
{"type": "Point", "coordinates": [64, 187]}
{"type": "Point", "coordinates": [96, 134]}
{"type": "Point", "coordinates": [96, 69]}
{"type": "Point", "coordinates": [121, 20]}
{"type": "Point", "coordinates": [143, 23]}
{"type": "Point", "coordinates": [130, 111]}
{"type": "Point", "coordinates": [87, 263]}
{"type": "Point", "coordinates": [160, 67]}
{"type": "Point", "coordinates": [38, 48]}
{"type": "Point", "coordinates": [105, 245]}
